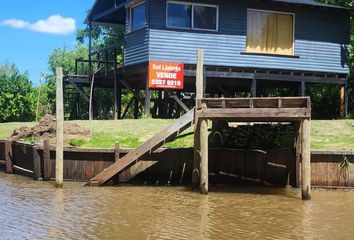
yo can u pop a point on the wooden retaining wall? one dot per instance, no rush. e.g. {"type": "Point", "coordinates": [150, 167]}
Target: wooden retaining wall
{"type": "Point", "coordinates": [174, 166]}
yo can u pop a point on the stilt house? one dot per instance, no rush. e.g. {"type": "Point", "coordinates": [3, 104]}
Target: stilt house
{"type": "Point", "coordinates": [249, 47]}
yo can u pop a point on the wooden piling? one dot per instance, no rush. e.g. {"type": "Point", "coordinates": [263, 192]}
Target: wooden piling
{"type": "Point", "coordinates": [46, 160]}
{"type": "Point", "coordinates": [8, 157]}
{"type": "Point", "coordinates": [147, 98]}
{"type": "Point", "coordinates": [59, 130]}
{"type": "Point", "coordinates": [306, 160]}
{"type": "Point", "coordinates": [204, 161]}
{"type": "Point", "coordinates": [199, 95]}
{"type": "Point", "coordinates": [36, 164]}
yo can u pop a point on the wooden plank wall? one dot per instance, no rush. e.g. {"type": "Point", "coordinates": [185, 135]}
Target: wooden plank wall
{"type": "Point", "coordinates": [174, 166]}
{"type": "Point", "coordinates": [326, 170]}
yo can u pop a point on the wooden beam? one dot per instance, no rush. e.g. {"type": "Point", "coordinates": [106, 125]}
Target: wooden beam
{"type": "Point", "coordinates": [306, 160]}
{"type": "Point", "coordinates": [267, 77]}
{"type": "Point", "coordinates": [255, 114]}
{"type": "Point", "coordinates": [82, 94]}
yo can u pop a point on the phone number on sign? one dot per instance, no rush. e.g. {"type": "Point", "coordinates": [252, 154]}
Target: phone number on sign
{"type": "Point", "coordinates": [166, 82]}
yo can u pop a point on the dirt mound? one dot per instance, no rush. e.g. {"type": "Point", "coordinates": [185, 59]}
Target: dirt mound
{"type": "Point", "coordinates": [46, 129]}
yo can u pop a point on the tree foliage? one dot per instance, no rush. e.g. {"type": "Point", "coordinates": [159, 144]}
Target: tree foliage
{"type": "Point", "coordinates": [17, 96]}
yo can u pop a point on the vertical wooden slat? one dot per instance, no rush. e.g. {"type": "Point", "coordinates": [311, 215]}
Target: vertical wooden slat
{"type": "Point", "coordinates": [116, 152]}
{"type": "Point", "coordinates": [46, 160]}
{"type": "Point", "coordinates": [36, 163]}
{"type": "Point", "coordinates": [8, 157]}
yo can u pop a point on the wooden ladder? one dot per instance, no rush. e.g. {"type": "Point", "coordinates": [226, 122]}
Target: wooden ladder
{"type": "Point", "coordinates": [149, 146]}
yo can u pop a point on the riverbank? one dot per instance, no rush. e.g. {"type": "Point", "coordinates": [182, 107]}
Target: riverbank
{"type": "Point", "coordinates": [325, 134]}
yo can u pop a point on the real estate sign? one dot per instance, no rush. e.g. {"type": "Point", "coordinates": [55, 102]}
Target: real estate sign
{"type": "Point", "coordinates": [166, 75]}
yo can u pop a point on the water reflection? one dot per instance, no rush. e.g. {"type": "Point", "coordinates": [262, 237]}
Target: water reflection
{"type": "Point", "coordinates": [36, 210]}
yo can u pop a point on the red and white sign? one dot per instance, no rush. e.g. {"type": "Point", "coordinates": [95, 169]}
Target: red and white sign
{"type": "Point", "coordinates": [166, 75]}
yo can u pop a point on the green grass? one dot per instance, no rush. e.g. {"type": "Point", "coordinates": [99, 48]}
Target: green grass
{"type": "Point", "coordinates": [326, 135]}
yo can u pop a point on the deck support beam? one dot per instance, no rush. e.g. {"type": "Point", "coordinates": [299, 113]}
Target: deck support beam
{"type": "Point", "coordinates": [306, 160]}
{"type": "Point", "coordinates": [147, 97]}
{"type": "Point", "coordinates": [343, 92]}
{"type": "Point", "coordinates": [254, 87]}
{"type": "Point", "coordinates": [302, 89]}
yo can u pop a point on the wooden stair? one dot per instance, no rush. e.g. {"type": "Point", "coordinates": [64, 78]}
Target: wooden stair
{"type": "Point", "coordinates": [149, 146]}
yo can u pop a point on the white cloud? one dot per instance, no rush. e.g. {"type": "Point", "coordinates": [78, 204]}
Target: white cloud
{"type": "Point", "coordinates": [54, 24]}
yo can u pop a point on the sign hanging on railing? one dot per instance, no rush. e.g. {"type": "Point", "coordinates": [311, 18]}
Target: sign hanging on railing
{"type": "Point", "coordinates": [166, 75]}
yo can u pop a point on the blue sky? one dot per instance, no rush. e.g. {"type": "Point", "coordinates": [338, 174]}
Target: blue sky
{"type": "Point", "coordinates": [30, 30]}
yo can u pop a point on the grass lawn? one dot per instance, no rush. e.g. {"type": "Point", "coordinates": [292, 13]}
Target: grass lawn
{"type": "Point", "coordinates": [326, 135]}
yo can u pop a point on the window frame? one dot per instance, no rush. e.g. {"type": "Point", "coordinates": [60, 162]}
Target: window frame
{"type": "Point", "coordinates": [192, 16]}
{"type": "Point", "coordinates": [272, 11]}
{"type": "Point", "coordinates": [130, 17]}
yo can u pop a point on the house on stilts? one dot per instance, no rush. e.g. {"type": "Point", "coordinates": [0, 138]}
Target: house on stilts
{"type": "Point", "coordinates": [249, 46]}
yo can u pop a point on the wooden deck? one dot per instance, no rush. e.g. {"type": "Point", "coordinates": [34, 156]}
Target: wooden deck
{"type": "Point", "coordinates": [255, 109]}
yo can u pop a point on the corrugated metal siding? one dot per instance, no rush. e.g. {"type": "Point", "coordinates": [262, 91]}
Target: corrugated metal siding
{"type": "Point", "coordinates": [321, 39]}
{"type": "Point", "coordinates": [225, 50]}
{"type": "Point", "coordinates": [136, 47]}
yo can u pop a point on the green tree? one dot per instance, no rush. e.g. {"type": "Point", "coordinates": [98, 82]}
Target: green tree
{"type": "Point", "coordinates": [17, 95]}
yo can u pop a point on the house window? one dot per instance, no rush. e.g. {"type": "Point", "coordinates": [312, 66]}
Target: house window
{"type": "Point", "coordinates": [137, 17]}
{"type": "Point", "coordinates": [192, 16]}
{"type": "Point", "coordinates": [270, 32]}
{"type": "Point", "coordinates": [179, 15]}
{"type": "Point", "coordinates": [205, 17]}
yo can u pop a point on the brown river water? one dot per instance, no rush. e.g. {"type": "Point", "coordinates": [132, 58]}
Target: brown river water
{"type": "Point", "coordinates": [36, 210]}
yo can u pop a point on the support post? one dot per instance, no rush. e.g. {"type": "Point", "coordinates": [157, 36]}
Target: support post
{"type": "Point", "coordinates": [306, 160]}
{"type": "Point", "coordinates": [303, 89]}
{"type": "Point", "coordinates": [342, 101]}
{"type": "Point", "coordinates": [254, 88]}
{"type": "Point", "coordinates": [59, 130]}
{"type": "Point", "coordinates": [346, 99]}
{"type": "Point", "coordinates": [199, 95]}
{"type": "Point", "coordinates": [147, 97]}
{"type": "Point", "coordinates": [8, 157]}
{"type": "Point", "coordinates": [136, 108]}
{"type": "Point", "coordinates": [46, 160]}
{"type": "Point", "coordinates": [90, 49]}
{"type": "Point", "coordinates": [36, 163]}
{"type": "Point", "coordinates": [204, 161]}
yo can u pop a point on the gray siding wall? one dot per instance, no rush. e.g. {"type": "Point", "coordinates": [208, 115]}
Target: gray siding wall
{"type": "Point", "coordinates": [137, 42]}
{"type": "Point", "coordinates": [321, 39]}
